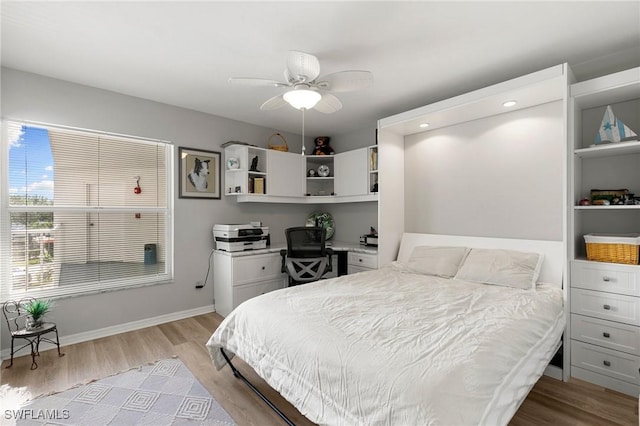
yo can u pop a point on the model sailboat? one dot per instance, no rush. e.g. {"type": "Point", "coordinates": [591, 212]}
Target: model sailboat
{"type": "Point", "coordinates": [612, 129]}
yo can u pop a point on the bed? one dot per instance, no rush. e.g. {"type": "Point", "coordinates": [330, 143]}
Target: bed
{"type": "Point", "coordinates": [456, 331]}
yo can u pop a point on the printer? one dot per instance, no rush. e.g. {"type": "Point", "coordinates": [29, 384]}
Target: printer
{"type": "Point", "coordinates": [240, 237]}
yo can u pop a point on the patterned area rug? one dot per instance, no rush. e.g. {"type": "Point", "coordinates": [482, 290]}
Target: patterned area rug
{"type": "Point", "coordinates": [164, 393]}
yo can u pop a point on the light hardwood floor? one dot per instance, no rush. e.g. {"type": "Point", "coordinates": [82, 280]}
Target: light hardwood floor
{"type": "Point", "coordinates": [550, 402]}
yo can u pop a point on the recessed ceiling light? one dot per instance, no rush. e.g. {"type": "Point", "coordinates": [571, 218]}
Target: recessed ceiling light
{"type": "Point", "coordinates": [423, 125]}
{"type": "Point", "coordinates": [509, 103]}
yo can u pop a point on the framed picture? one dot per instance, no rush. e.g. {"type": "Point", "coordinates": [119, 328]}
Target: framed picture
{"type": "Point", "coordinates": [199, 173]}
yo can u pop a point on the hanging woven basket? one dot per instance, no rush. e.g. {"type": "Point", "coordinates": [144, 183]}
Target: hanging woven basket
{"type": "Point", "coordinates": [279, 138]}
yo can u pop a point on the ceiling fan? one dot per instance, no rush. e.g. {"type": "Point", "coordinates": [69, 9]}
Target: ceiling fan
{"type": "Point", "coordinates": [307, 89]}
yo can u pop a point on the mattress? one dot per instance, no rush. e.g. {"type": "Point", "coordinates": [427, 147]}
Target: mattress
{"type": "Point", "coordinates": [389, 347]}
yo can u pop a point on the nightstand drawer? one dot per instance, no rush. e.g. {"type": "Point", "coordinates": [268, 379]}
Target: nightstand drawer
{"type": "Point", "coordinates": [363, 260]}
{"type": "Point", "coordinates": [614, 307]}
{"type": "Point", "coordinates": [612, 335]}
{"type": "Point", "coordinates": [256, 268]}
{"type": "Point", "coordinates": [604, 361]}
{"type": "Point", "coordinates": [621, 279]}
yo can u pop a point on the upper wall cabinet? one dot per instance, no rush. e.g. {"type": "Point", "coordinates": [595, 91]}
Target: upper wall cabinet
{"type": "Point", "coordinates": [264, 175]}
{"type": "Point", "coordinates": [351, 173]}
{"type": "Point", "coordinates": [284, 168]}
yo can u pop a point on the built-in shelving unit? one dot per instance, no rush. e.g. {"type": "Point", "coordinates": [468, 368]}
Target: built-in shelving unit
{"type": "Point", "coordinates": [318, 185]}
{"type": "Point", "coordinates": [240, 177]}
{"type": "Point", "coordinates": [373, 169]}
{"type": "Point", "coordinates": [605, 297]}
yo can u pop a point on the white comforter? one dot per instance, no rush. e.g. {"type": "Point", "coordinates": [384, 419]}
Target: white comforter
{"type": "Point", "coordinates": [393, 348]}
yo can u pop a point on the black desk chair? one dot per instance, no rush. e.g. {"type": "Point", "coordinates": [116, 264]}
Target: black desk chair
{"type": "Point", "coordinates": [306, 258]}
{"type": "Point", "coordinates": [16, 318]}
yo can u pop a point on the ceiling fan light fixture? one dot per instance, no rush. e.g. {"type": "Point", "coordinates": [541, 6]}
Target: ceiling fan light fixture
{"type": "Point", "coordinates": [300, 98]}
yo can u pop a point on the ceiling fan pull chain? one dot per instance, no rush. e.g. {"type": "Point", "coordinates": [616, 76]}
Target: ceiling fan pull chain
{"type": "Point", "coordinates": [302, 109]}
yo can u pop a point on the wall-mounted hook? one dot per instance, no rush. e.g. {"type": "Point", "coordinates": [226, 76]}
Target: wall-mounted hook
{"type": "Point", "coordinates": [137, 189]}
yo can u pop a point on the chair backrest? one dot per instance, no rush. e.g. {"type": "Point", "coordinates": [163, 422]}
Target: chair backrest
{"type": "Point", "coordinates": [307, 258]}
{"type": "Point", "coordinates": [305, 242]}
{"type": "Point", "coordinates": [15, 314]}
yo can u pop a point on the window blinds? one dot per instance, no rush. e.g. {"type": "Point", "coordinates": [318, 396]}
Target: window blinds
{"type": "Point", "coordinates": [73, 220]}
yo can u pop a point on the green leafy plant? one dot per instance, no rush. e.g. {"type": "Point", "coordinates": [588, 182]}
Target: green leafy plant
{"type": "Point", "coordinates": [37, 308]}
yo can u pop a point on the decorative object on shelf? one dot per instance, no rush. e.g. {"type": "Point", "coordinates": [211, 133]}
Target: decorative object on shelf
{"type": "Point", "coordinates": [374, 159]}
{"type": "Point", "coordinates": [280, 147]}
{"type": "Point", "coordinates": [323, 170]}
{"type": "Point", "coordinates": [233, 163]}
{"type": "Point", "coordinates": [254, 165]}
{"type": "Point", "coordinates": [324, 220]}
{"type": "Point", "coordinates": [229, 143]}
{"type": "Point", "coordinates": [613, 248]}
{"type": "Point", "coordinates": [606, 197]}
{"type": "Point", "coordinates": [627, 199]}
{"type": "Point", "coordinates": [258, 186]}
{"type": "Point", "coordinates": [585, 202]}
{"type": "Point", "coordinates": [613, 130]}
{"type": "Point", "coordinates": [199, 173]}
{"type": "Point", "coordinates": [322, 146]}
{"type": "Point", "coordinates": [311, 173]}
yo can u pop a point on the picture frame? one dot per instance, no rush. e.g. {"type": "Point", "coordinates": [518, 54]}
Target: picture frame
{"type": "Point", "coordinates": [199, 173]}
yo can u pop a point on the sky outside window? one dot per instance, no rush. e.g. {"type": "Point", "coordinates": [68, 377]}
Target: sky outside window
{"type": "Point", "coordinates": [30, 163]}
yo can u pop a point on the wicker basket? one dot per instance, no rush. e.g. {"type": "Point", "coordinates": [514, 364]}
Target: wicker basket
{"type": "Point", "coordinates": [283, 147]}
{"type": "Point", "coordinates": [620, 248]}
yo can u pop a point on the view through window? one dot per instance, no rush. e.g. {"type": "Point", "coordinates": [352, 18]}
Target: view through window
{"type": "Point", "coordinates": [83, 211]}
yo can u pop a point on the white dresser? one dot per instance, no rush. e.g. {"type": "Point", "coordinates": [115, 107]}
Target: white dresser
{"type": "Point", "coordinates": [605, 324]}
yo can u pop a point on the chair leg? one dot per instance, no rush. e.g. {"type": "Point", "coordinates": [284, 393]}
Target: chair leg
{"type": "Point", "coordinates": [33, 357]}
{"type": "Point", "coordinates": [58, 343]}
{"type": "Point", "coordinates": [9, 366]}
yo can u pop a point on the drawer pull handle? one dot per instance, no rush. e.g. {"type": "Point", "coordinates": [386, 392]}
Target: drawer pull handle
{"type": "Point", "coordinates": [359, 260]}
{"type": "Point", "coordinates": [606, 363]}
{"type": "Point", "coordinates": [263, 268]}
{"type": "Point", "coordinates": [605, 334]}
{"type": "Point", "coordinates": [607, 307]}
{"type": "Point", "coordinates": [606, 279]}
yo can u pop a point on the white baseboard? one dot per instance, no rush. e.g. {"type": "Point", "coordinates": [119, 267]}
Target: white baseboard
{"type": "Point", "coordinates": [116, 329]}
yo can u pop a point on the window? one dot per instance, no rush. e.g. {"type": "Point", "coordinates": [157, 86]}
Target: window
{"type": "Point", "coordinates": [83, 211]}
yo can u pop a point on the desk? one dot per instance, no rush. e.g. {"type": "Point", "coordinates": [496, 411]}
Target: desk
{"type": "Point", "coordinates": [241, 275]}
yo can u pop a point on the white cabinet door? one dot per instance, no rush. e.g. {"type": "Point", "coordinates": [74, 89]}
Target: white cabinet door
{"type": "Point", "coordinates": [286, 174]}
{"type": "Point", "coordinates": [351, 173]}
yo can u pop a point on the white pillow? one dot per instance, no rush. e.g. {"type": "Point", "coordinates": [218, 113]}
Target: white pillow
{"type": "Point", "coordinates": [439, 261]}
{"type": "Point", "coordinates": [507, 268]}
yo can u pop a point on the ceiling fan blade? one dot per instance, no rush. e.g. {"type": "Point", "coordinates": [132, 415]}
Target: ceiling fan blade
{"type": "Point", "coordinates": [302, 67]}
{"type": "Point", "coordinates": [255, 82]}
{"type": "Point", "coordinates": [328, 104]}
{"type": "Point", "coordinates": [346, 81]}
{"type": "Point", "coordinates": [273, 103]}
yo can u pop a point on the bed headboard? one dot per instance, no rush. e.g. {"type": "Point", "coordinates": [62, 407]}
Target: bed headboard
{"type": "Point", "coordinates": [554, 254]}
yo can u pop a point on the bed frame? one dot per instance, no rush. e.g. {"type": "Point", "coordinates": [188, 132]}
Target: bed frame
{"type": "Point", "coordinates": [552, 272]}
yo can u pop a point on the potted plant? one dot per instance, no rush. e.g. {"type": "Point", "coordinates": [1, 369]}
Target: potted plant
{"type": "Point", "coordinates": [37, 308]}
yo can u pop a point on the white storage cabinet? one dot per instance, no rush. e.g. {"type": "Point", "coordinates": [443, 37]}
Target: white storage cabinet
{"type": "Point", "coordinates": [359, 262]}
{"type": "Point", "coordinates": [239, 278]}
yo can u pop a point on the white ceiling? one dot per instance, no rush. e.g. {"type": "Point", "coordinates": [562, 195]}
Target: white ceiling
{"type": "Point", "coordinates": [183, 53]}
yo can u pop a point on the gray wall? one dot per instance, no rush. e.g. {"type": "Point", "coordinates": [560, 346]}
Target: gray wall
{"type": "Point", "coordinates": [35, 98]}
{"type": "Point", "coordinates": [501, 176]}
